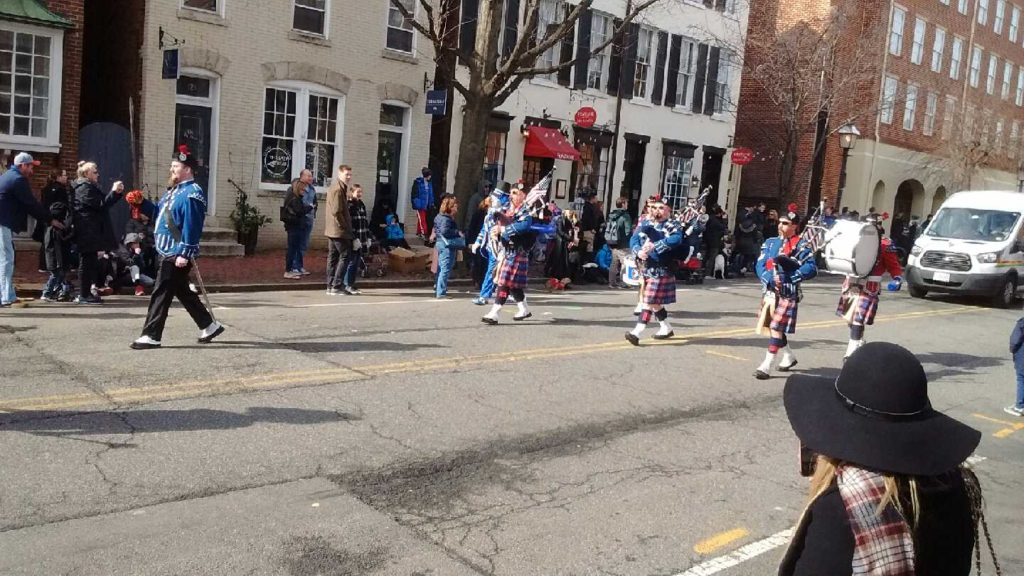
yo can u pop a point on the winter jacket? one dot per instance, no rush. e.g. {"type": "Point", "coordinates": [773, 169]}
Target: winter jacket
{"type": "Point", "coordinates": [748, 238]}
{"type": "Point", "coordinates": [295, 211]}
{"type": "Point", "coordinates": [1017, 345]}
{"type": "Point", "coordinates": [93, 230]}
{"type": "Point", "coordinates": [620, 217]}
{"type": "Point", "coordinates": [17, 202]}
{"type": "Point", "coordinates": [714, 232]}
{"type": "Point", "coordinates": [360, 223]}
{"type": "Point", "coordinates": [339, 221]}
{"type": "Point", "coordinates": [422, 194]}
{"type": "Point", "coordinates": [53, 192]}
{"type": "Point", "coordinates": [445, 226]}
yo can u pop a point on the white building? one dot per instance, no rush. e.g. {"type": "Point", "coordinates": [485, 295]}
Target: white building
{"type": "Point", "coordinates": [679, 85]}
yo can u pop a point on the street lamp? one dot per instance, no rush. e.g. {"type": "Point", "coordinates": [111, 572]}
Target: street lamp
{"type": "Point", "coordinates": [848, 135]}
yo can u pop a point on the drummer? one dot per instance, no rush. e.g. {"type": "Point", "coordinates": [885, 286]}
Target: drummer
{"type": "Point", "coordinates": [785, 262]}
{"type": "Point", "coordinates": [858, 302]}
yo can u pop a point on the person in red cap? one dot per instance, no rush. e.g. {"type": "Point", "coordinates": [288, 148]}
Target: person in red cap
{"type": "Point", "coordinates": [785, 262]}
{"type": "Point", "coordinates": [422, 201]}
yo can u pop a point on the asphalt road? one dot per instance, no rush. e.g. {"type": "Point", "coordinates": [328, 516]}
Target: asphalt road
{"type": "Point", "coordinates": [391, 433]}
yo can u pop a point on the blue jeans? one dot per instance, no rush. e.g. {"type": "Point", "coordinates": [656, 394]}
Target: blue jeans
{"type": "Point", "coordinates": [445, 260]}
{"type": "Point", "coordinates": [307, 229]}
{"type": "Point", "coordinates": [293, 257]}
{"type": "Point", "coordinates": [1020, 388]}
{"type": "Point", "coordinates": [487, 286]}
{"type": "Point", "coordinates": [352, 261]}
{"type": "Point", "coordinates": [55, 285]}
{"type": "Point", "coordinates": [7, 294]}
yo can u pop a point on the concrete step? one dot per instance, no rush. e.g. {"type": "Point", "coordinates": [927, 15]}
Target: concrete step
{"type": "Point", "coordinates": [221, 249]}
{"type": "Point", "coordinates": [211, 234]}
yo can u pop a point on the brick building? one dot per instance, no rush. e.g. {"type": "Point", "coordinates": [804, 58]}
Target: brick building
{"type": "Point", "coordinates": [945, 114]}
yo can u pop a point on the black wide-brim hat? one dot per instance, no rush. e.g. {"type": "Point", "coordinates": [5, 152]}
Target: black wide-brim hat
{"type": "Point", "coordinates": [877, 415]}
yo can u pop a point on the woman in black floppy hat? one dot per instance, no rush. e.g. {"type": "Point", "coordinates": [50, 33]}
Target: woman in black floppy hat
{"type": "Point", "coordinates": [890, 493]}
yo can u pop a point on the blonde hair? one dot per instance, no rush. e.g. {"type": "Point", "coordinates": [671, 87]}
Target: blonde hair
{"type": "Point", "coordinates": [826, 470]}
{"type": "Point", "coordinates": [298, 187]}
{"type": "Point", "coordinates": [448, 205]}
{"type": "Point", "coordinates": [84, 167]}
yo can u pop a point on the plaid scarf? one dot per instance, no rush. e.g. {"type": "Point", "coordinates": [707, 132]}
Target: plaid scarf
{"type": "Point", "coordinates": [360, 223]}
{"type": "Point", "coordinates": [883, 544]}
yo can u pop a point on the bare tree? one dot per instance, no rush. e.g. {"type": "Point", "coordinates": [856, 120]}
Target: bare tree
{"type": "Point", "coordinates": [495, 73]}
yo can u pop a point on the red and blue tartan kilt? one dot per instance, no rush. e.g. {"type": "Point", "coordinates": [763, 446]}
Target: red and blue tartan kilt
{"type": "Point", "coordinates": [866, 306]}
{"type": "Point", "coordinates": [513, 272]}
{"type": "Point", "coordinates": [784, 318]}
{"type": "Point", "coordinates": [659, 290]}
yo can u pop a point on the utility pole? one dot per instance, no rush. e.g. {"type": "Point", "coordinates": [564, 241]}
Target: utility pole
{"type": "Point", "coordinates": [618, 107]}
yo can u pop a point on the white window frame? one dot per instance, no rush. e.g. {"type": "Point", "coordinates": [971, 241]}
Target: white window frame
{"type": "Point", "coordinates": [910, 108]}
{"type": "Point", "coordinates": [944, 2]}
{"type": "Point", "coordinates": [1000, 19]}
{"type": "Point", "coordinates": [327, 20]}
{"type": "Point", "coordinates": [688, 70]}
{"type": "Point", "coordinates": [551, 56]}
{"type": "Point", "coordinates": [644, 67]}
{"type": "Point", "coordinates": [219, 11]}
{"type": "Point", "coordinates": [213, 103]}
{"type": "Point", "coordinates": [675, 195]}
{"type": "Point", "coordinates": [975, 70]}
{"type": "Point", "coordinates": [1004, 93]}
{"type": "Point", "coordinates": [961, 7]}
{"type": "Point", "coordinates": [411, 30]}
{"type": "Point", "coordinates": [917, 46]}
{"type": "Point", "coordinates": [1014, 139]}
{"type": "Point", "coordinates": [930, 110]}
{"type": "Point", "coordinates": [983, 12]}
{"type": "Point", "coordinates": [948, 117]}
{"type": "Point", "coordinates": [990, 77]}
{"type": "Point", "coordinates": [403, 161]}
{"type": "Point", "coordinates": [938, 49]}
{"type": "Point", "coordinates": [723, 96]}
{"type": "Point", "coordinates": [1019, 100]}
{"type": "Point", "coordinates": [51, 142]}
{"type": "Point", "coordinates": [301, 137]}
{"type": "Point", "coordinates": [1014, 23]}
{"type": "Point", "coordinates": [899, 22]}
{"type": "Point", "coordinates": [997, 146]}
{"type": "Point", "coordinates": [956, 57]}
{"type": "Point", "coordinates": [890, 87]}
{"type": "Point", "coordinates": [599, 62]}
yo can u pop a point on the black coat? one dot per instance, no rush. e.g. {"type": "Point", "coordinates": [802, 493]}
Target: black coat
{"type": "Point", "coordinates": [53, 192]}
{"type": "Point", "coordinates": [93, 230]}
{"type": "Point", "coordinates": [295, 211]}
{"type": "Point", "coordinates": [714, 232]}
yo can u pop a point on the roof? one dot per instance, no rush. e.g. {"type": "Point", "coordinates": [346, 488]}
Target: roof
{"type": "Point", "coordinates": [32, 12]}
{"type": "Point", "coordinates": [987, 200]}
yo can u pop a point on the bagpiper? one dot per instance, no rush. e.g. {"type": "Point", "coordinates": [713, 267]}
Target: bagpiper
{"type": "Point", "coordinates": [654, 245]}
{"type": "Point", "coordinates": [785, 262]}
{"type": "Point", "coordinates": [512, 230]}
{"type": "Point", "coordinates": [858, 302]}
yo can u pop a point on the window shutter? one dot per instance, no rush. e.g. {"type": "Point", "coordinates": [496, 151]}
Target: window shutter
{"type": "Point", "coordinates": [629, 70]}
{"type": "Point", "coordinates": [467, 28]}
{"type": "Point", "coordinates": [712, 81]}
{"type": "Point", "coordinates": [720, 5]}
{"type": "Point", "coordinates": [567, 45]}
{"type": "Point", "coordinates": [659, 67]}
{"type": "Point", "coordinates": [673, 71]}
{"type": "Point", "coordinates": [585, 24]}
{"type": "Point", "coordinates": [615, 62]}
{"type": "Point", "coordinates": [511, 27]}
{"type": "Point", "coordinates": [701, 76]}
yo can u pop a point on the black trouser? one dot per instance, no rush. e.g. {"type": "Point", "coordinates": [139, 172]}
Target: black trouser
{"type": "Point", "coordinates": [337, 256]}
{"type": "Point", "coordinates": [171, 283]}
{"type": "Point", "coordinates": [88, 273]}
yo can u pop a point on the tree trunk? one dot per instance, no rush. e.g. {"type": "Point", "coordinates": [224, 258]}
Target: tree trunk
{"type": "Point", "coordinates": [470, 168]}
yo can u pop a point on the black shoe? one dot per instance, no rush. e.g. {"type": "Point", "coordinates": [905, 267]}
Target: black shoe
{"type": "Point", "coordinates": [489, 321]}
{"type": "Point", "coordinates": [761, 375]}
{"type": "Point", "coordinates": [788, 367]}
{"type": "Point", "coordinates": [524, 317]}
{"type": "Point", "coordinates": [145, 343]}
{"type": "Point", "coordinates": [664, 336]}
{"type": "Point", "coordinates": [633, 339]}
{"type": "Point", "coordinates": [93, 300]}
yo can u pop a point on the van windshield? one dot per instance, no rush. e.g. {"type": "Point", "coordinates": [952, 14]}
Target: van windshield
{"type": "Point", "coordinates": [973, 224]}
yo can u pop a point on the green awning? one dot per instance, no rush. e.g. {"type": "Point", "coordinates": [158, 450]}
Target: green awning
{"type": "Point", "coordinates": [32, 12]}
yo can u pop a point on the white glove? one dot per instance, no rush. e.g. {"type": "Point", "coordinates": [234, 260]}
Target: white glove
{"type": "Point", "coordinates": [357, 245]}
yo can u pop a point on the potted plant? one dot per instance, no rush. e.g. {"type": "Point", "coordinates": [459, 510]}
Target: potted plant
{"type": "Point", "coordinates": [247, 220]}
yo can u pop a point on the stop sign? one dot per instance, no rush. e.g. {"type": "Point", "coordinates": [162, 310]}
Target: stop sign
{"type": "Point", "coordinates": [742, 156]}
{"type": "Point", "coordinates": [585, 117]}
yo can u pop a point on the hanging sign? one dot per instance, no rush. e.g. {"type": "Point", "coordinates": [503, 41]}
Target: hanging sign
{"type": "Point", "coordinates": [586, 117]}
{"type": "Point", "coordinates": [437, 102]}
{"type": "Point", "coordinates": [742, 156]}
{"type": "Point", "coordinates": [170, 69]}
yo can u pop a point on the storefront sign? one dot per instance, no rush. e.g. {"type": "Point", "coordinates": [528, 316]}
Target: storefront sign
{"type": "Point", "coordinates": [742, 156]}
{"type": "Point", "coordinates": [585, 117]}
{"type": "Point", "coordinates": [437, 102]}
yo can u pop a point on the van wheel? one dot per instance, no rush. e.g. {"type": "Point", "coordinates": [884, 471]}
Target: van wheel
{"type": "Point", "coordinates": [1006, 294]}
{"type": "Point", "coordinates": [917, 292]}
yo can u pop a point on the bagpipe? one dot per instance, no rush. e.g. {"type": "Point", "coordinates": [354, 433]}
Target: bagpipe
{"type": "Point", "coordinates": [814, 235]}
{"type": "Point", "coordinates": [694, 217]}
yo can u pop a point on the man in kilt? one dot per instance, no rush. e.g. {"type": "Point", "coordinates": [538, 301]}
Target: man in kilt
{"type": "Point", "coordinates": [785, 262]}
{"type": "Point", "coordinates": [512, 229]}
{"type": "Point", "coordinates": [858, 303]}
{"type": "Point", "coordinates": [654, 244]}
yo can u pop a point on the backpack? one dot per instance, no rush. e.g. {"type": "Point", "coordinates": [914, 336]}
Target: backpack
{"type": "Point", "coordinates": [614, 231]}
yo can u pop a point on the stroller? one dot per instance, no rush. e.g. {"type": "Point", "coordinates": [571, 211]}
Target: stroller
{"type": "Point", "coordinates": [375, 261]}
{"type": "Point", "coordinates": [691, 270]}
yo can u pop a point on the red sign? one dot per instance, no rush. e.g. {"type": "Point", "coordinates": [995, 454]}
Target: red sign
{"type": "Point", "coordinates": [742, 156]}
{"type": "Point", "coordinates": [585, 117]}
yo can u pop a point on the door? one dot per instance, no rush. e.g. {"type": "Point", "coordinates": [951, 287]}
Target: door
{"type": "Point", "coordinates": [633, 177]}
{"type": "Point", "coordinates": [192, 127]}
{"type": "Point", "coordinates": [389, 156]}
{"type": "Point", "coordinates": [711, 175]}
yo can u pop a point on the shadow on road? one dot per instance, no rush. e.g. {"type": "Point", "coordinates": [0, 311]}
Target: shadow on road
{"type": "Point", "coordinates": [312, 347]}
{"type": "Point", "coordinates": [955, 364]}
{"type": "Point", "coordinates": [66, 424]}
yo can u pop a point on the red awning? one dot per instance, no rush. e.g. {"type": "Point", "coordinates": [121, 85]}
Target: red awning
{"type": "Point", "coordinates": [549, 143]}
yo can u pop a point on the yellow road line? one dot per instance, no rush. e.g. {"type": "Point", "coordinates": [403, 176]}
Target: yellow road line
{"type": "Point", "coordinates": [724, 355]}
{"type": "Point", "coordinates": [284, 380]}
{"type": "Point", "coordinates": [720, 540]}
{"type": "Point", "coordinates": [1014, 425]}
{"type": "Point", "coordinates": [1004, 432]}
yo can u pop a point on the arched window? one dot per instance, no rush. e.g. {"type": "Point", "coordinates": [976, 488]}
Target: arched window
{"type": "Point", "coordinates": [303, 127]}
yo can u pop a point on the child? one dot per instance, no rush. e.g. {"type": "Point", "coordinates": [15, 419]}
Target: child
{"type": "Point", "coordinates": [135, 259]}
{"type": "Point", "coordinates": [1017, 349]}
{"type": "Point", "coordinates": [57, 247]}
{"type": "Point", "coordinates": [449, 241]}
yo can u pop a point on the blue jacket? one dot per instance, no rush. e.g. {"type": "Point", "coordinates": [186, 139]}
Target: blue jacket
{"type": "Point", "coordinates": [1017, 344]}
{"type": "Point", "coordinates": [422, 194]}
{"type": "Point", "coordinates": [766, 267]}
{"type": "Point", "coordinates": [17, 202]}
{"type": "Point", "coordinates": [667, 236]}
{"type": "Point", "coordinates": [445, 227]}
{"type": "Point", "coordinates": [309, 199]}
{"type": "Point", "coordinates": [185, 206]}
{"type": "Point", "coordinates": [517, 234]}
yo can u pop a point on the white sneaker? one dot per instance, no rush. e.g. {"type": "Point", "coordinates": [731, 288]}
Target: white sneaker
{"type": "Point", "coordinates": [206, 335]}
{"type": "Point", "coordinates": [145, 343]}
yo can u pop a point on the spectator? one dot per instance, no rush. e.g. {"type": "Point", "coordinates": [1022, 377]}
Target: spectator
{"type": "Point", "coordinates": [714, 230]}
{"type": "Point", "coordinates": [564, 261]}
{"type": "Point", "coordinates": [589, 222]}
{"type": "Point", "coordinates": [338, 230]}
{"type": "Point", "coordinates": [422, 201]}
{"type": "Point", "coordinates": [449, 242]}
{"type": "Point", "coordinates": [890, 493]}
{"type": "Point", "coordinates": [309, 199]}
{"type": "Point", "coordinates": [760, 217]}
{"type": "Point", "coordinates": [478, 259]}
{"type": "Point", "coordinates": [141, 266]}
{"type": "Point", "coordinates": [94, 233]}
{"type": "Point", "coordinates": [926, 223]}
{"type": "Point", "coordinates": [618, 231]}
{"type": "Point", "coordinates": [828, 219]}
{"type": "Point", "coordinates": [770, 229]}
{"type": "Point", "coordinates": [1017, 350]}
{"type": "Point", "coordinates": [361, 239]}
{"type": "Point", "coordinates": [483, 191]}
{"type": "Point", "coordinates": [57, 246]}
{"type": "Point", "coordinates": [55, 190]}
{"type": "Point", "coordinates": [748, 240]}
{"type": "Point", "coordinates": [293, 214]}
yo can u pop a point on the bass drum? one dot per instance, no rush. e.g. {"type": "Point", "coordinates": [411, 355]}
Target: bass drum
{"type": "Point", "coordinates": [630, 273]}
{"type": "Point", "coordinates": [852, 248]}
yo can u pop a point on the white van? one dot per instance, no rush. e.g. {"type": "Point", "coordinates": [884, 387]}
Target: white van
{"type": "Point", "coordinates": [974, 245]}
